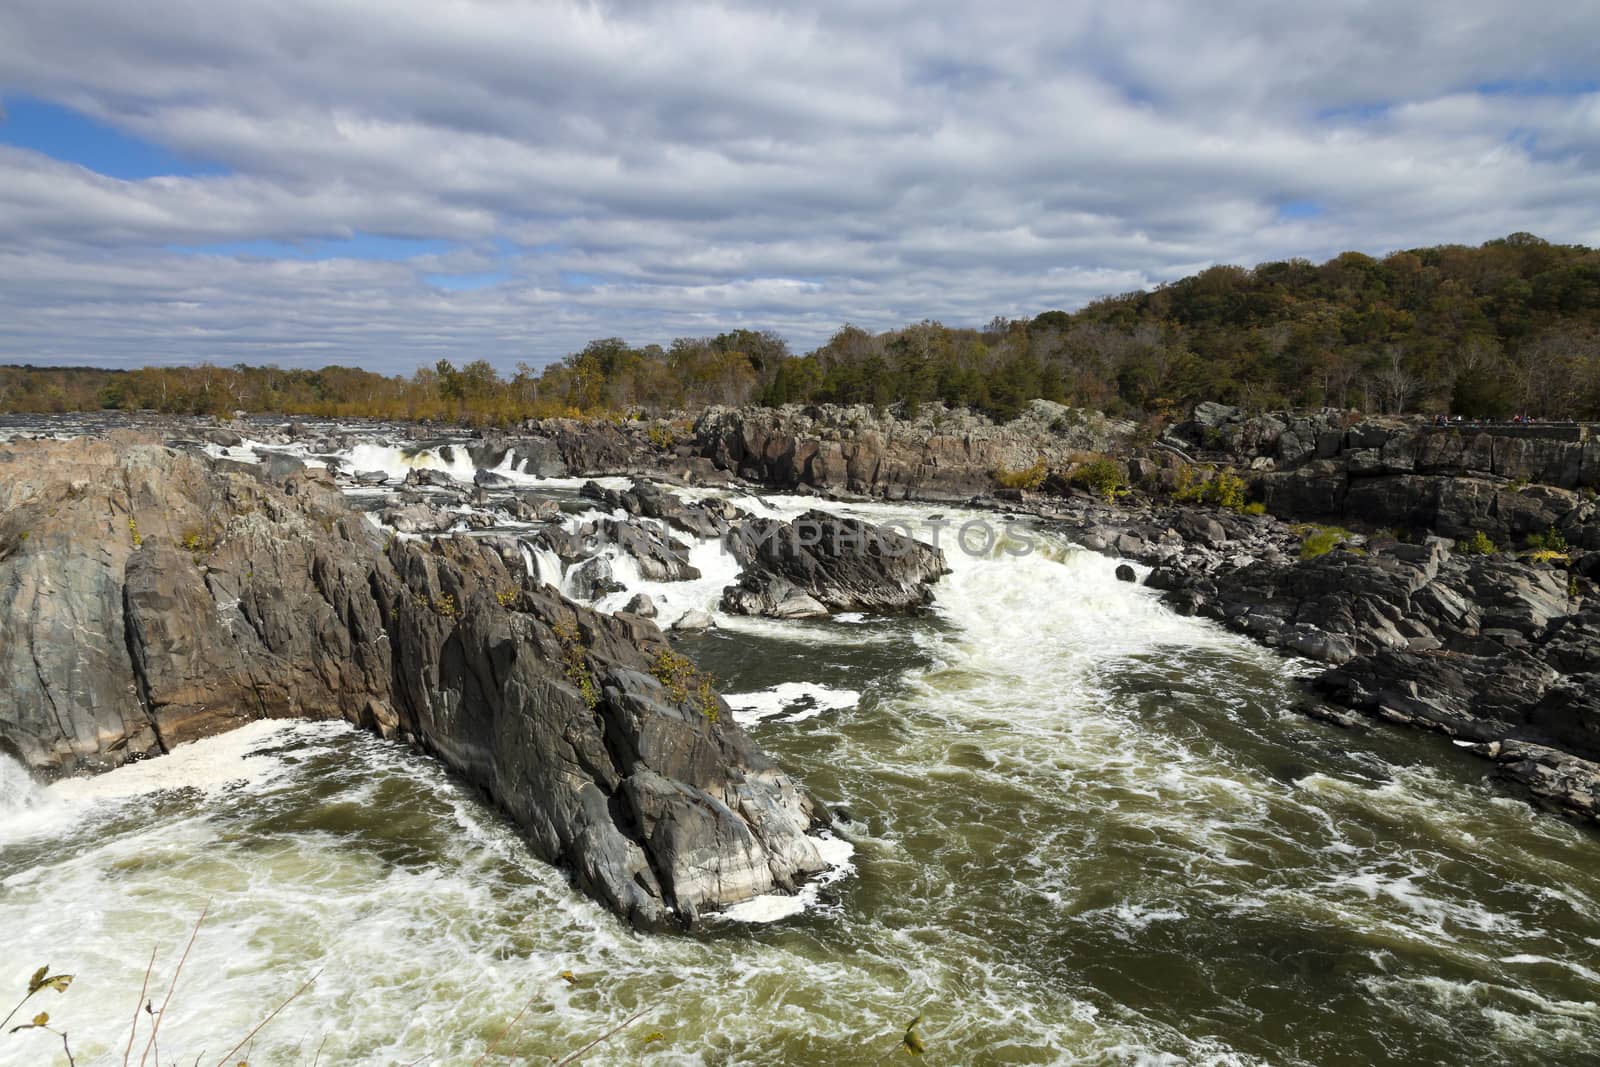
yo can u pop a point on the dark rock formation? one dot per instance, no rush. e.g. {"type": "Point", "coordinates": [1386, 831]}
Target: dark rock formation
{"type": "Point", "coordinates": [821, 563]}
{"type": "Point", "coordinates": [149, 597]}
{"type": "Point", "coordinates": [1506, 480]}
{"type": "Point", "coordinates": [703, 520]}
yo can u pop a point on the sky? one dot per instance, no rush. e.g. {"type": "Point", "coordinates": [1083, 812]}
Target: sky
{"type": "Point", "coordinates": [386, 183]}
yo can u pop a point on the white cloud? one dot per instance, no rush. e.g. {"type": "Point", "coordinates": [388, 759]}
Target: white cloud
{"type": "Point", "coordinates": [652, 169]}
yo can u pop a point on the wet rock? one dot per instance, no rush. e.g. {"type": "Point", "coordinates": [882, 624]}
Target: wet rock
{"type": "Point", "coordinates": [660, 558]}
{"type": "Point", "coordinates": [418, 519]}
{"type": "Point", "coordinates": [530, 508]}
{"type": "Point", "coordinates": [642, 606]}
{"type": "Point", "coordinates": [694, 620]}
{"type": "Point", "coordinates": [593, 579]}
{"type": "Point", "coordinates": [426, 476]}
{"type": "Point", "coordinates": [823, 560]}
{"type": "Point", "coordinates": [487, 479]}
{"type": "Point", "coordinates": [648, 500]}
{"type": "Point", "coordinates": [1126, 573]}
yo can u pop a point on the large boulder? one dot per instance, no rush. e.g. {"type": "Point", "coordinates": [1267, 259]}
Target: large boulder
{"type": "Point", "coordinates": [823, 563]}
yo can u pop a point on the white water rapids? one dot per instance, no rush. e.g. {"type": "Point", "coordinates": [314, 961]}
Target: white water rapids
{"type": "Point", "coordinates": [1084, 830]}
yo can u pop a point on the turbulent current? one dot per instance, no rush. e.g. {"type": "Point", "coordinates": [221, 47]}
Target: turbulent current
{"type": "Point", "coordinates": [1084, 830]}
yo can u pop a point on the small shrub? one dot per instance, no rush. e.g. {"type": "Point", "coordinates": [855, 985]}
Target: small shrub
{"type": "Point", "coordinates": [1476, 545]}
{"type": "Point", "coordinates": [508, 597]}
{"type": "Point", "coordinates": [1254, 508]}
{"type": "Point", "coordinates": [1320, 540]}
{"type": "Point", "coordinates": [1220, 488]}
{"type": "Point", "coordinates": [1516, 485]}
{"type": "Point", "coordinates": [1226, 490]}
{"type": "Point", "coordinates": [1572, 588]}
{"type": "Point", "coordinates": [1102, 477]}
{"type": "Point", "coordinates": [133, 532]}
{"type": "Point", "coordinates": [445, 606]}
{"type": "Point", "coordinates": [679, 676]}
{"type": "Point", "coordinates": [1026, 478]}
{"type": "Point", "coordinates": [1551, 542]}
{"type": "Point", "coordinates": [575, 662]}
{"type": "Point", "coordinates": [663, 436]}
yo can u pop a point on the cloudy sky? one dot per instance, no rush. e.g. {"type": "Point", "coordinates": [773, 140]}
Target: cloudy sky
{"type": "Point", "coordinates": [387, 182]}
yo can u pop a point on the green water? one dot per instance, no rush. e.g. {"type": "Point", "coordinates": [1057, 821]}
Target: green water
{"type": "Point", "coordinates": [1086, 831]}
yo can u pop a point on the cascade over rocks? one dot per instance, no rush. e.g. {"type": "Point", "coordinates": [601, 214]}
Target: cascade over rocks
{"type": "Point", "coordinates": [150, 597]}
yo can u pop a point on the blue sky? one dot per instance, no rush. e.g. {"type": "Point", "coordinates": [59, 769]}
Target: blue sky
{"type": "Point", "coordinates": [306, 184]}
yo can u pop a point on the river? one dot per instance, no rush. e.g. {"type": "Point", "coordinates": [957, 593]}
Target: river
{"type": "Point", "coordinates": [1085, 830]}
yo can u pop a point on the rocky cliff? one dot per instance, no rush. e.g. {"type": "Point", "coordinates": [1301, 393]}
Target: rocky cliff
{"type": "Point", "coordinates": [1505, 480]}
{"type": "Point", "coordinates": [149, 597]}
{"type": "Point", "coordinates": [938, 455]}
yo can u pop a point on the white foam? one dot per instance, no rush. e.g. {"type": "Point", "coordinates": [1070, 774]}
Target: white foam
{"type": "Point", "coordinates": [398, 462]}
{"type": "Point", "coordinates": [208, 765]}
{"type": "Point", "coordinates": [801, 700]}
{"type": "Point", "coordinates": [771, 907]}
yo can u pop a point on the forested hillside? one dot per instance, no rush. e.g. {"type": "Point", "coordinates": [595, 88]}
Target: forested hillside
{"type": "Point", "coordinates": [1510, 327]}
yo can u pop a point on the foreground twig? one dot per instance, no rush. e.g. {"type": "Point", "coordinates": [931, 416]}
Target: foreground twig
{"type": "Point", "coordinates": [133, 1030]}
{"type": "Point", "coordinates": [607, 1036]}
{"type": "Point", "coordinates": [268, 1019]}
{"type": "Point", "coordinates": [506, 1032]}
{"type": "Point", "coordinates": [155, 1027]}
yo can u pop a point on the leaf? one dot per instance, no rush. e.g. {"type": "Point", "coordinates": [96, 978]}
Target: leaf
{"type": "Point", "coordinates": [569, 978]}
{"type": "Point", "coordinates": [41, 1019]}
{"type": "Point", "coordinates": [913, 1041]}
{"type": "Point", "coordinates": [43, 979]}
{"type": "Point", "coordinates": [654, 1035]}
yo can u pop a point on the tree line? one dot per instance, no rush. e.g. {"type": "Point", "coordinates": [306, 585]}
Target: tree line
{"type": "Point", "coordinates": [1509, 327]}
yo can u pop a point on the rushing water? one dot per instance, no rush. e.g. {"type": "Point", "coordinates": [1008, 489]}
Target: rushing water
{"type": "Point", "coordinates": [1086, 831]}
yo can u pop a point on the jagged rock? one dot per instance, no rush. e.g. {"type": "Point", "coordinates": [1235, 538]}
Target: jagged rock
{"type": "Point", "coordinates": [1549, 774]}
{"type": "Point", "coordinates": [940, 454]}
{"type": "Point", "coordinates": [528, 508]}
{"type": "Point", "coordinates": [427, 476]}
{"type": "Point", "coordinates": [642, 606]}
{"type": "Point", "coordinates": [185, 598]}
{"type": "Point", "coordinates": [825, 561]}
{"type": "Point", "coordinates": [704, 520]}
{"type": "Point", "coordinates": [488, 479]}
{"type": "Point", "coordinates": [1209, 413]}
{"type": "Point", "coordinates": [659, 557]}
{"type": "Point", "coordinates": [418, 519]}
{"type": "Point", "coordinates": [593, 579]}
{"type": "Point", "coordinates": [372, 477]}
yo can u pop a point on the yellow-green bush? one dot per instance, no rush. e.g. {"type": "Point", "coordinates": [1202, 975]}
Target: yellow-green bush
{"type": "Point", "coordinates": [1102, 477]}
{"type": "Point", "coordinates": [1026, 478]}
{"type": "Point", "coordinates": [1320, 540]}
